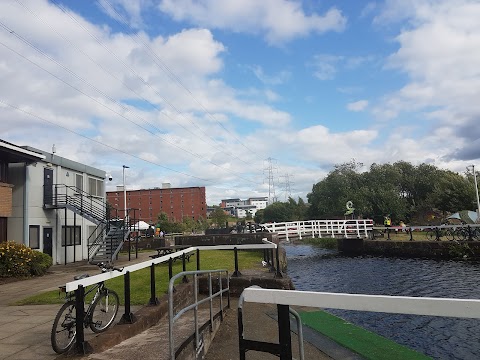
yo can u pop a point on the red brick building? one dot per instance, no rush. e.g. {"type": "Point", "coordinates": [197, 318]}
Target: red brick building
{"type": "Point", "coordinates": [177, 203]}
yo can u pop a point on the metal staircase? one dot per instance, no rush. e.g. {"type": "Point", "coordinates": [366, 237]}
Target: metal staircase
{"type": "Point", "coordinates": [107, 240]}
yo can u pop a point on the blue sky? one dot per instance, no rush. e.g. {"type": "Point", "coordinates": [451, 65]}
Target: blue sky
{"type": "Point", "coordinates": [204, 92]}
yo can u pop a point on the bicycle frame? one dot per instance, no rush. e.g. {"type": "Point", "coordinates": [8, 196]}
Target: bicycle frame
{"type": "Point", "coordinates": [98, 288]}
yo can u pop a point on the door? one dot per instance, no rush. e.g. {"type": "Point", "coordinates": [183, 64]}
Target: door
{"type": "Point", "coordinates": [47, 241]}
{"type": "Point", "coordinates": [48, 186]}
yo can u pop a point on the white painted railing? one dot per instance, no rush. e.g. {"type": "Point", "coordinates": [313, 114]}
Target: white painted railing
{"type": "Point", "coordinates": [357, 229]}
{"type": "Point", "coordinates": [461, 308]}
{"type": "Point", "coordinates": [73, 285]}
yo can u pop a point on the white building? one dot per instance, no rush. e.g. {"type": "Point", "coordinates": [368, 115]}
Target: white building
{"type": "Point", "coordinates": [242, 210]}
{"type": "Point", "coordinates": [55, 203]}
{"type": "Point", "coordinates": [259, 202]}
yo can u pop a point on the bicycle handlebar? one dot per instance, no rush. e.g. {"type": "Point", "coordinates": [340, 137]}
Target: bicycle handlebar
{"type": "Point", "coordinates": [105, 267]}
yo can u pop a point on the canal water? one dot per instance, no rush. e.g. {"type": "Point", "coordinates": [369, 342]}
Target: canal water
{"type": "Point", "coordinates": [315, 269]}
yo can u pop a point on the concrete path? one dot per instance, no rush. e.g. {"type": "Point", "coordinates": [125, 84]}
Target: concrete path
{"type": "Point", "coordinates": [25, 330]}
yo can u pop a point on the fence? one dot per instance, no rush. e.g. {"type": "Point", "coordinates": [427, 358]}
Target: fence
{"type": "Point", "coordinates": [78, 286]}
{"type": "Point", "coordinates": [462, 308]}
{"type": "Point", "coordinates": [322, 228]}
{"type": "Point", "coordinates": [196, 303]}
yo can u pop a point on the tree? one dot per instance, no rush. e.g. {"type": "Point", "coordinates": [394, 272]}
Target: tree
{"type": "Point", "coordinates": [259, 216]}
{"type": "Point", "coordinates": [453, 193]}
{"type": "Point", "coordinates": [218, 217]}
{"type": "Point", "coordinates": [277, 212]}
{"type": "Point", "coordinates": [249, 215]}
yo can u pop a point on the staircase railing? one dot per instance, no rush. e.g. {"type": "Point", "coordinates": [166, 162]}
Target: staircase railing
{"type": "Point", "coordinates": [78, 200]}
{"type": "Point", "coordinates": [96, 238]}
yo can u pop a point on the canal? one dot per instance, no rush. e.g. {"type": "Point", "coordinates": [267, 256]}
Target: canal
{"type": "Point", "coordinates": [312, 268]}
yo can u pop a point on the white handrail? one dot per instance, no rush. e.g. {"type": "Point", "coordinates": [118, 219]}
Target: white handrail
{"type": "Point", "coordinates": [73, 285]}
{"type": "Point", "coordinates": [461, 308]}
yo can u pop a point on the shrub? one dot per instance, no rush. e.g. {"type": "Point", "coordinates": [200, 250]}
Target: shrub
{"type": "Point", "coordinates": [40, 263]}
{"type": "Point", "coordinates": [18, 260]}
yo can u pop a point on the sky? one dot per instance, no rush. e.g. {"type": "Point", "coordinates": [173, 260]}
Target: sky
{"type": "Point", "coordinates": [247, 98]}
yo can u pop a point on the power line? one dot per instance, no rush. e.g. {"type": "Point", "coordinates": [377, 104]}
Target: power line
{"type": "Point", "coordinates": [10, 31]}
{"type": "Point", "coordinates": [287, 185]}
{"type": "Point", "coordinates": [271, 181]}
{"type": "Point", "coordinates": [170, 73]}
{"type": "Point", "coordinates": [146, 83]}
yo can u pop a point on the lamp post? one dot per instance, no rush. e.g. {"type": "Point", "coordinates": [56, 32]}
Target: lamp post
{"type": "Point", "coordinates": [476, 190]}
{"type": "Point", "coordinates": [125, 192]}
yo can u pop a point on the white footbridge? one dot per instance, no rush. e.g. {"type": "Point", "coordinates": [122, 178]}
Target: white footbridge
{"type": "Point", "coordinates": [346, 229]}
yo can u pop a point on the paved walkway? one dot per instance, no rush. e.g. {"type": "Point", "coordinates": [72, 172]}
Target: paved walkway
{"type": "Point", "coordinates": [25, 330]}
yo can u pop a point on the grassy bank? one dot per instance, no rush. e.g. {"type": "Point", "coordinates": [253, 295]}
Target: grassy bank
{"type": "Point", "coordinates": [368, 344]}
{"type": "Point", "coordinates": [140, 280]}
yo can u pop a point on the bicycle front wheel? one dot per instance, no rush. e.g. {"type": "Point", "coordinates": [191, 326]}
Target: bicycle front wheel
{"type": "Point", "coordinates": [64, 328]}
{"type": "Point", "coordinates": [104, 310]}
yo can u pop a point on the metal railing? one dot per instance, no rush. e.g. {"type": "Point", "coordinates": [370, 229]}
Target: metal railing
{"type": "Point", "coordinates": [275, 349]}
{"type": "Point", "coordinates": [195, 305]}
{"type": "Point", "coordinates": [78, 285]}
{"type": "Point", "coordinates": [359, 228]}
{"type": "Point", "coordinates": [447, 307]}
{"type": "Point", "coordinates": [94, 207]}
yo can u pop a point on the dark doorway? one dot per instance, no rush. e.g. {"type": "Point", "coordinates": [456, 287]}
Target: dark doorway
{"type": "Point", "coordinates": [47, 241]}
{"type": "Point", "coordinates": [47, 186]}
{"type": "Point", "coordinates": [3, 229]}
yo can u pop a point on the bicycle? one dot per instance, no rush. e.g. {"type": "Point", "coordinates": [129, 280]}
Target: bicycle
{"type": "Point", "coordinates": [436, 234]}
{"type": "Point", "coordinates": [99, 316]}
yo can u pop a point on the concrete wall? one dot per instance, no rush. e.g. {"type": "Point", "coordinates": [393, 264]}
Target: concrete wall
{"type": "Point", "coordinates": [423, 249]}
{"type": "Point", "coordinates": [225, 239]}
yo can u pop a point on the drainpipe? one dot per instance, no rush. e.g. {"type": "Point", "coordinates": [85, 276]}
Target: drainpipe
{"type": "Point", "coordinates": [25, 205]}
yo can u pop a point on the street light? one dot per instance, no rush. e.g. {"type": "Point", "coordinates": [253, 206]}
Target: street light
{"type": "Point", "coordinates": [124, 192]}
{"type": "Point", "coordinates": [476, 190]}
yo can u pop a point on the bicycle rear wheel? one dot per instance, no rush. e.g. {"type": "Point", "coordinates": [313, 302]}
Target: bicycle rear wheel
{"type": "Point", "coordinates": [64, 328]}
{"type": "Point", "coordinates": [450, 234]}
{"type": "Point", "coordinates": [461, 234]}
{"type": "Point", "coordinates": [104, 310]}
{"type": "Point", "coordinates": [431, 235]}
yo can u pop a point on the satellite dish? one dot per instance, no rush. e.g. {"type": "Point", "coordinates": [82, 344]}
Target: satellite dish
{"type": "Point", "coordinates": [349, 205]}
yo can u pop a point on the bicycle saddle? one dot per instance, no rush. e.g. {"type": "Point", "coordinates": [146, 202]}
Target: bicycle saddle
{"type": "Point", "coordinates": [79, 277]}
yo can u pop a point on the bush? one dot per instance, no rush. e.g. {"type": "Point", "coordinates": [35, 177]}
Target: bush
{"type": "Point", "coordinates": [40, 264]}
{"type": "Point", "coordinates": [18, 260]}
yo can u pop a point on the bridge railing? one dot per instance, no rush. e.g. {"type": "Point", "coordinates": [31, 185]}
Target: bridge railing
{"type": "Point", "coordinates": [358, 229]}
{"type": "Point", "coordinates": [447, 307]}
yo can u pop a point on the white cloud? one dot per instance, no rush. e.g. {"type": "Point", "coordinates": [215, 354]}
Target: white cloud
{"type": "Point", "coordinates": [278, 21]}
{"type": "Point", "coordinates": [276, 79]}
{"type": "Point", "coordinates": [439, 51]}
{"type": "Point", "coordinates": [357, 105]}
{"type": "Point", "coordinates": [325, 66]}
{"type": "Point", "coordinates": [126, 11]}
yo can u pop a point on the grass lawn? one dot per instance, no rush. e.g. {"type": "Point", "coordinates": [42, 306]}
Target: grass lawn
{"type": "Point", "coordinates": [140, 280]}
{"type": "Point", "coordinates": [368, 344]}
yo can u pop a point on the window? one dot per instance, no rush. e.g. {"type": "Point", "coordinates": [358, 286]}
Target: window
{"type": "Point", "coordinates": [95, 187]}
{"type": "Point", "coordinates": [72, 231]}
{"type": "Point", "coordinates": [79, 181]}
{"type": "Point", "coordinates": [34, 236]}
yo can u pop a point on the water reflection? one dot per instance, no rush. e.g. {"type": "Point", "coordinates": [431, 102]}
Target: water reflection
{"type": "Point", "coordinates": [315, 269]}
